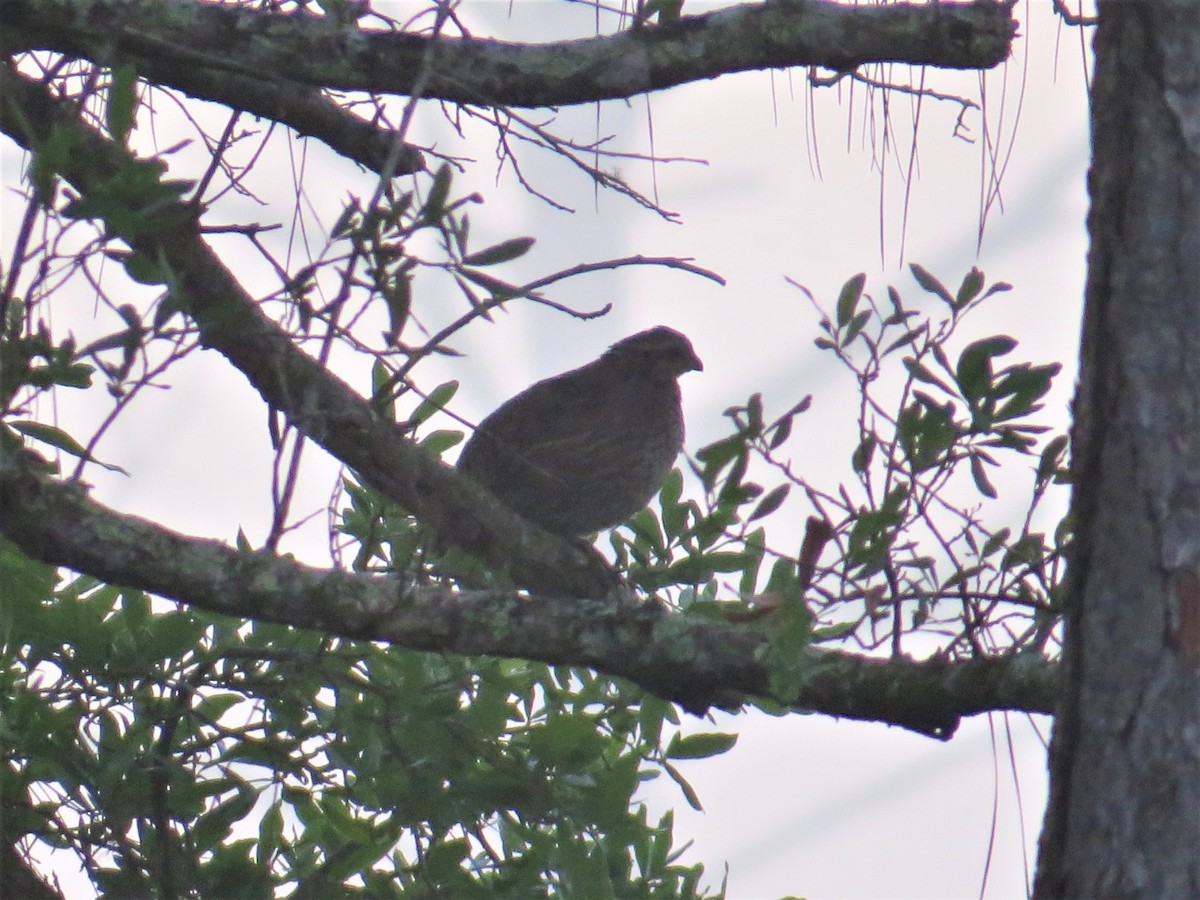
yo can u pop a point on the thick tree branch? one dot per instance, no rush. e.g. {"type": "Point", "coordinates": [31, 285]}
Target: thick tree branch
{"type": "Point", "coordinates": [304, 109]}
{"type": "Point", "coordinates": [319, 52]}
{"type": "Point", "coordinates": [1123, 817]}
{"type": "Point", "coordinates": [695, 662]}
{"type": "Point", "coordinates": [317, 402]}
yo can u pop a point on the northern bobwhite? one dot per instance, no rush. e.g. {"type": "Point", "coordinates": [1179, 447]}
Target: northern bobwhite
{"type": "Point", "coordinates": [585, 450]}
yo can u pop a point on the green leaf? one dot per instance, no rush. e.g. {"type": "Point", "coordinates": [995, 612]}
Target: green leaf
{"type": "Point", "coordinates": [771, 502]}
{"type": "Point", "coordinates": [436, 443]}
{"type": "Point", "coordinates": [1024, 386]}
{"type": "Point", "coordinates": [49, 161]}
{"type": "Point", "coordinates": [270, 834]}
{"type": "Point", "coordinates": [584, 875]}
{"type": "Point", "coordinates": [848, 298]}
{"type": "Point", "coordinates": [981, 480]}
{"type": "Point", "coordinates": [782, 427]}
{"type": "Point", "coordinates": [213, 827]}
{"type": "Point", "coordinates": [998, 288]}
{"type": "Point", "coordinates": [140, 267]}
{"type": "Point", "coordinates": [863, 453]}
{"type": "Point", "coordinates": [434, 403]}
{"type": "Point", "coordinates": [383, 397]}
{"type": "Point", "coordinates": [921, 373]}
{"type": "Point", "coordinates": [754, 415]}
{"type": "Point", "coordinates": [348, 220]}
{"type": "Point", "coordinates": [672, 489]}
{"type": "Point", "coordinates": [926, 430]}
{"type": "Point", "coordinates": [716, 456]}
{"type": "Point", "coordinates": [26, 582]}
{"type": "Point", "coordinates": [856, 325]}
{"type": "Point", "coordinates": [906, 339]}
{"type": "Point", "coordinates": [961, 576]}
{"type": "Point", "coordinates": [397, 294]}
{"type": "Point", "coordinates": [435, 204]}
{"type": "Point", "coordinates": [652, 712]}
{"type": "Point", "coordinates": [122, 102]}
{"type": "Point", "coordinates": [342, 821]}
{"type": "Point", "coordinates": [500, 253]}
{"type": "Point", "coordinates": [497, 287]}
{"type": "Point", "coordinates": [646, 526]}
{"type": "Point", "coordinates": [939, 354]}
{"type": "Point", "coordinates": [135, 201]}
{"type": "Point", "coordinates": [213, 706]}
{"type": "Point", "coordinates": [833, 632]}
{"type": "Point", "coordinates": [697, 569]}
{"type": "Point", "coordinates": [930, 284]}
{"type": "Point", "coordinates": [700, 746]}
{"type": "Point", "coordinates": [994, 542]}
{"type": "Point", "coordinates": [135, 608]}
{"type": "Point", "coordinates": [566, 740]}
{"type": "Point", "coordinates": [689, 793]}
{"type": "Point", "coordinates": [971, 285]}
{"type": "Point", "coordinates": [674, 512]}
{"type": "Point", "coordinates": [56, 437]}
{"type": "Point", "coordinates": [461, 230]}
{"type": "Point", "coordinates": [174, 633]}
{"type": "Point", "coordinates": [974, 370]}
{"type": "Point", "coordinates": [1029, 549]}
{"type": "Point", "coordinates": [76, 375]}
{"type": "Point", "coordinates": [446, 858]}
{"type": "Point", "coordinates": [1052, 458]}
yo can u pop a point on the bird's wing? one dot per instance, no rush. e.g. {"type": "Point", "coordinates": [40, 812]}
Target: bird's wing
{"type": "Point", "coordinates": [552, 411]}
{"type": "Point", "coordinates": [551, 424]}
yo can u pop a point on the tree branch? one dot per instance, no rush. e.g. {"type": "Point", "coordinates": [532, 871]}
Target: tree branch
{"type": "Point", "coordinates": [300, 107]}
{"type": "Point", "coordinates": [317, 402]}
{"type": "Point", "coordinates": [215, 37]}
{"type": "Point", "coordinates": [303, 109]}
{"type": "Point", "coordinates": [695, 662]}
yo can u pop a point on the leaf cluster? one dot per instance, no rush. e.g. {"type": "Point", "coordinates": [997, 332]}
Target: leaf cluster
{"type": "Point", "coordinates": [930, 415]}
{"type": "Point", "coordinates": [175, 752]}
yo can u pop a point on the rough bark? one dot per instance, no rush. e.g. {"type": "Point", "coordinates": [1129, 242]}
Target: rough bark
{"type": "Point", "coordinates": [696, 662]}
{"type": "Point", "coordinates": [1124, 813]}
{"type": "Point", "coordinates": [180, 39]}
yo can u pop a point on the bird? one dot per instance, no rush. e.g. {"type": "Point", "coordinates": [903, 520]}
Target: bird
{"type": "Point", "coordinates": [583, 451]}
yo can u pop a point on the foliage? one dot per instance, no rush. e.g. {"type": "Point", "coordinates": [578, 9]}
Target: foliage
{"type": "Point", "coordinates": [175, 752]}
{"type": "Point", "coordinates": [915, 551]}
{"type": "Point", "coordinates": [912, 556]}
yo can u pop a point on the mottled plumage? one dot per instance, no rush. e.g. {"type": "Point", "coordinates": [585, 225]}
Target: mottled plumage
{"type": "Point", "coordinates": [584, 450]}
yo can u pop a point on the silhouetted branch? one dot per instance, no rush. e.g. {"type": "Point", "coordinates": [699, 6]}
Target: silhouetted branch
{"type": "Point", "coordinates": [244, 42]}
{"type": "Point", "coordinates": [695, 662]}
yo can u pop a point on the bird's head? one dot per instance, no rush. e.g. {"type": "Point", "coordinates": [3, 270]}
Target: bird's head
{"type": "Point", "coordinates": [659, 351]}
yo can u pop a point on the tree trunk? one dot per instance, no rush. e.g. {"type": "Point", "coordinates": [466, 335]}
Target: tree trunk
{"type": "Point", "coordinates": [1124, 813]}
